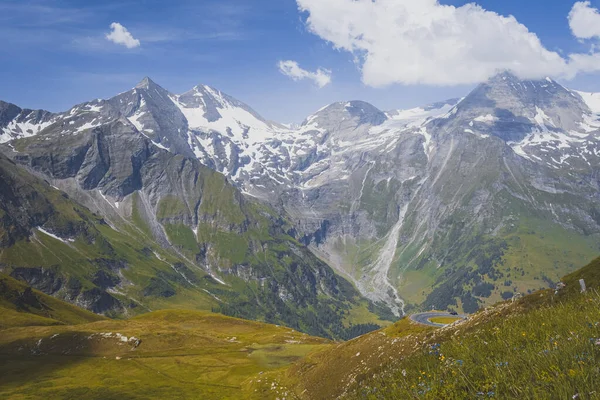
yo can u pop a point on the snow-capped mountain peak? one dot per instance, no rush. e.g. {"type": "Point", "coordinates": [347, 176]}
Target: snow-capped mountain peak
{"type": "Point", "coordinates": [209, 109]}
{"type": "Point", "coordinates": [359, 112]}
{"type": "Point", "coordinates": [16, 122]}
{"type": "Point", "coordinates": [352, 174]}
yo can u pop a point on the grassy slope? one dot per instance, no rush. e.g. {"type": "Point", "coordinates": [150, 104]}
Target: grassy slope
{"type": "Point", "coordinates": [331, 372]}
{"type": "Point", "coordinates": [443, 320]}
{"type": "Point", "coordinates": [182, 355]}
{"type": "Point", "coordinates": [19, 309]}
{"type": "Point", "coordinates": [542, 346]}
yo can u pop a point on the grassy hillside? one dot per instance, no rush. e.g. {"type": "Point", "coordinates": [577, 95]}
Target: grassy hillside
{"type": "Point", "coordinates": [22, 306]}
{"type": "Point", "coordinates": [165, 354]}
{"type": "Point", "coordinates": [544, 345]}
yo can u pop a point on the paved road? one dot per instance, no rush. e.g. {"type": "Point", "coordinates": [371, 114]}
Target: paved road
{"type": "Point", "coordinates": [423, 318]}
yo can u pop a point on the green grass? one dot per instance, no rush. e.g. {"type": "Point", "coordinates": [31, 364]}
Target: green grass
{"type": "Point", "coordinates": [361, 315]}
{"type": "Point", "coordinates": [328, 372]}
{"type": "Point", "coordinates": [20, 307]}
{"type": "Point", "coordinates": [443, 320]}
{"type": "Point", "coordinates": [547, 353]}
{"type": "Point", "coordinates": [182, 355]}
{"type": "Point", "coordinates": [221, 199]}
{"type": "Point", "coordinates": [543, 346]}
{"type": "Point", "coordinates": [230, 248]}
{"type": "Point", "coordinates": [171, 207]}
{"type": "Point", "coordinates": [181, 235]}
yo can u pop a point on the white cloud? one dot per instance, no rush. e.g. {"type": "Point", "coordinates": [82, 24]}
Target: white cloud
{"type": "Point", "coordinates": [584, 20]}
{"type": "Point", "coordinates": [425, 42]}
{"type": "Point", "coordinates": [120, 35]}
{"type": "Point", "coordinates": [321, 77]}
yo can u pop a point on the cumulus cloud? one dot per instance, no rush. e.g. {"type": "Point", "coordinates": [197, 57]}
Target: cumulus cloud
{"type": "Point", "coordinates": [321, 77]}
{"type": "Point", "coordinates": [120, 35]}
{"type": "Point", "coordinates": [425, 42]}
{"type": "Point", "coordinates": [584, 20]}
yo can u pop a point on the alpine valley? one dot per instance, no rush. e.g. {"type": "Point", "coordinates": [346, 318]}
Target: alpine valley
{"type": "Point", "coordinates": [151, 200]}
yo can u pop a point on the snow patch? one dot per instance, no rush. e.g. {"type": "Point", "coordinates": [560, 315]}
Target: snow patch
{"type": "Point", "coordinates": [45, 232]}
{"type": "Point", "coordinates": [489, 118]}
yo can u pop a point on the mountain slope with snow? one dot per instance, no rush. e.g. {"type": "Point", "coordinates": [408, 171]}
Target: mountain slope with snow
{"type": "Point", "coordinates": [432, 206]}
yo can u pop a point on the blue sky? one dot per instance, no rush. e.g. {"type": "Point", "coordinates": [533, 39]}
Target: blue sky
{"type": "Point", "coordinates": [54, 53]}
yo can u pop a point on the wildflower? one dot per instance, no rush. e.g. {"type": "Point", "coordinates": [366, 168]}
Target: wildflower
{"type": "Point", "coordinates": [597, 342]}
{"type": "Point", "coordinates": [404, 373]}
{"type": "Point", "coordinates": [575, 396]}
{"type": "Point", "coordinates": [572, 373]}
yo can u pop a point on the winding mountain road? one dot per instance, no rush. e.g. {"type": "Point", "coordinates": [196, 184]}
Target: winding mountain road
{"type": "Point", "coordinates": [424, 318]}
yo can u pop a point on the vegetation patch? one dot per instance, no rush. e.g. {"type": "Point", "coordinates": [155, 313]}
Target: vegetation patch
{"type": "Point", "coordinates": [166, 354]}
{"type": "Point", "coordinates": [443, 320]}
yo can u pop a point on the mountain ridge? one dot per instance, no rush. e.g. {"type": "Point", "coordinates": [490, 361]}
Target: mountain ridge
{"type": "Point", "coordinates": [385, 195]}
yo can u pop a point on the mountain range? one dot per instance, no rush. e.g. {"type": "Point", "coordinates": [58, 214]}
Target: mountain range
{"type": "Point", "coordinates": [151, 200]}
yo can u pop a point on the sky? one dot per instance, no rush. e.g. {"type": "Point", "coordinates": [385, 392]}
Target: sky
{"type": "Point", "coordinates": [288, 58]}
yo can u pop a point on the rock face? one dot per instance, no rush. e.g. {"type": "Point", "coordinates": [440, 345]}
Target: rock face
{"type": "Point", "coordinates": [451, 204]}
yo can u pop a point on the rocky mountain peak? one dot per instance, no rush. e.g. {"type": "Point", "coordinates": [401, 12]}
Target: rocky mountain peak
{"type": "Point", "coordinates": [353, 176]}
{"type": "Point", "coordinates": [216, 105]}
{"type": "Point", "coordinates": [511, 109]}
{"type": "Point", "coordinates": [146, 84]}
{"type": "Point", "coordinates": [506, 86]}
{"type": "Point", "coordinates": [8, 112]}
{"type": "Point", "coordinates": [359, 112]}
